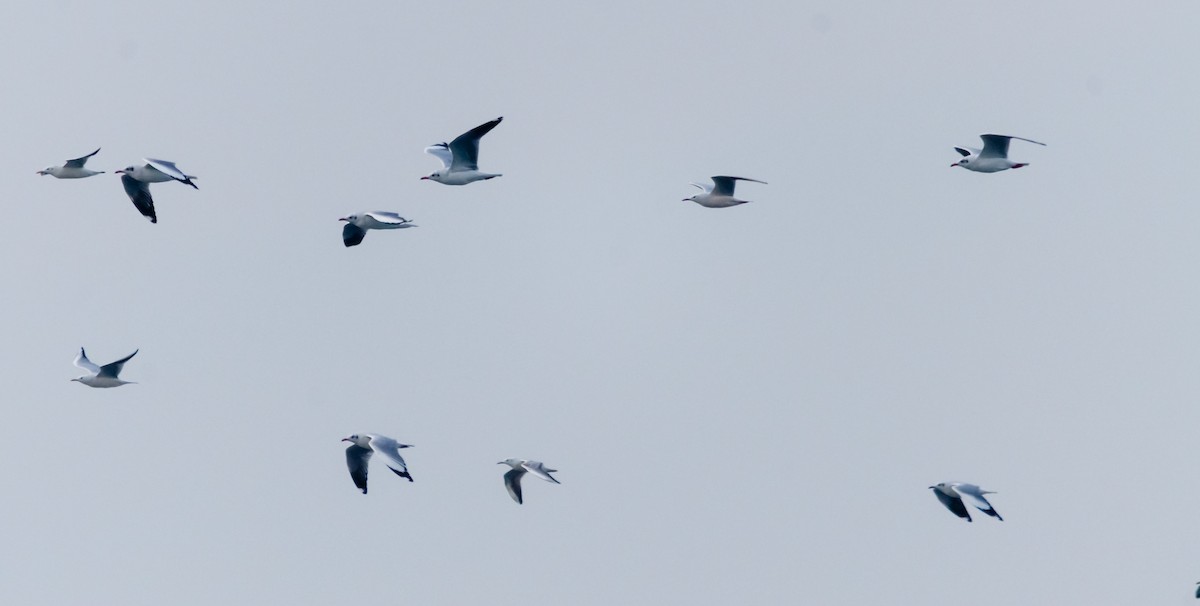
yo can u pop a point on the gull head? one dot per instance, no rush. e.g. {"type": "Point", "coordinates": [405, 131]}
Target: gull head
{"type": "Point", "coordinates": [358, 440]}
{"type": "Point", "coordinates": [432, 177]}
{"type": "Point", "coordinates": [125, 171]}
{"type": "Point", "coordinates": [514, 463]}
{"type": "Point", "coordinates": [691, 199]}
{"type": "Point", "coordinates": [351, 218]}
{"type": "Point", "coordinates": [49, 170]}
{"type": "Point", "coordinates": [962, 162]}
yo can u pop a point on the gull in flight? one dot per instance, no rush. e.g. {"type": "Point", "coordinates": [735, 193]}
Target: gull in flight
{"type": "Point", "coordinates": [720, 193]}
{"type": "Point", "coordinates": [73, 169]}
{"type": "Point", "coordinates": [362, 445]}
{"type": "Point", "coordinates": [993, 158]}
{"type": "Point", "coordinates": [952, 494]}
{"type": "Point", "coordinates": [357, 225]}
{"type": "Point", "coordinates": [137, 180]}
{"type": "Point", "coordinates": [102, 376]}
{"type": "Point", "coordinates": [460, 157]}
{"type": "Point", "coordinates": [512, 478]}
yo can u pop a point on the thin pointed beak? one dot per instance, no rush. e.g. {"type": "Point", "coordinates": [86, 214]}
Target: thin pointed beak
{"type": "Point", "coordinates": [344, 219]}
{"type": "Point", "coordinates": [347, 440]}
{"type": "Point", "coordinates": [41, 172]}
{"type": "Point", "coordinates": [953, 165]}
{"type": "Point", "coordinates": [424, 178]}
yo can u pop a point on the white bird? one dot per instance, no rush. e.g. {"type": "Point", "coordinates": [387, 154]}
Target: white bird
{"type": "Point", "coordinates": [73, 169]}
{"type": "Point", "coordinates": [357, 225]}
{"type": "Point", "coordinates": [952, 494]}
{"type": "Point", "coordinates": [512, 478]}
{"type": "Point", "coordinates": [994, 156]}
{"type": "Point", "coordinates": [460, 157]}
{"type": "Point", "coordinates": [359, 453]}
{"type": "Point", "coordinates": [720, 193]}
{"type": "Point", "coordinates": [102, 376]}
{"type": "Point", "coordinates": [137, 180]}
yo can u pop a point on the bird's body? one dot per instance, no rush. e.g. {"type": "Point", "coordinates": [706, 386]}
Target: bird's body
{"type": "Point", "coordinates": [993, 158]}
{"type": "Point", "coordinates": [720, 193]}
{"type": "Point", "coordinates": [512, 478]}
{"type": "Point", "coordinates": [357, 225]}
{"type": "Point", "coordinates": [952, 495]}
{"type": "Point", "coordinates": [72, 169]}
{"type": "Point", "coordinates": [460, 157]}
{"type": "Point", "coordinates": [137, 180]}
{"type": "Point", "coordinates": [101, 376]}
{"type": "Point", "coordinates": [363, 445]}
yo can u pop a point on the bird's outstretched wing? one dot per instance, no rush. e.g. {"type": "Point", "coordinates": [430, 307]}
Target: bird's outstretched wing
{"type": "Point", "coordinates": [169, 169]}
{"type": "Point", "coordinates": [79, 162]}
{"type": "Point", "coordinates": [465, 147]}
{"type": "Point", "coordinates": [352, 235]}
{"type": "Point", "coordinates": [441, 151]}
{"type": "Point", "coordinates": [139, 193]}
{"type": "Point", "coordinates": [723, 186]}
{"type": "Point", "coordinates": [512, 481]}
{"type": "Point", "coordinates": [357, 458]}
{"type": "Point", "coordinates": [112, 369]}
{"type": "Point", "coordinates": [83, 362]}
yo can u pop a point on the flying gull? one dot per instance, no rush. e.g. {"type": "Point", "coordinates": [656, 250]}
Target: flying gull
{"type": "Point", "coordinates": [359, 453]}
{"type": "Point", "coordinates": [137, 180]}
{"type": "Point", "coordinates": [952, 494]}
{"type": "Point", "coordinates": [720, 193]}
{"type": "Point", "coordinates": [102, 376]}
{"type": "Point", "coordinates": [512, 478]}
{"type": "Point", "coordinates": [994, 156]}
{"type": "Point", "coordinates": [460, 157]}
{"type": "Point", "coordinates": [73, 169]}
{"type": "Point", "coordinates": [357, 225]}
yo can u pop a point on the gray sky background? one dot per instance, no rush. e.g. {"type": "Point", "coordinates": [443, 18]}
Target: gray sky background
{"type": "Point", "coordinates": [746, 405]}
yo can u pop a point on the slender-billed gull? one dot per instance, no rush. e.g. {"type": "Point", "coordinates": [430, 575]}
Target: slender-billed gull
{"type": "Point", "coordinates": [137, 180]}
{"type": "Point", "coordinates": [357, 225]}
{"type": "Point", "coordinates": [359, 453]}
{"type": "Point", "coordinates": [952, 495]}
{"type": "Point", "coordinates": [102, 376]}
{"type": "Point", "coordinates": [720, 193]}
{"type": "Point", "coordinates": [460, 157]}
{"type": "Point", "coordinates": [512, 478]}
{"type": "Point", "coordinates": [72, 169]}
{"type": "Point", "coordinates": [993, 158]}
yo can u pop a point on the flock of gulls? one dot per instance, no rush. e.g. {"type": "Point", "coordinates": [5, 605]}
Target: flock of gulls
{"type": "Point", "coordinates": [460, 166]}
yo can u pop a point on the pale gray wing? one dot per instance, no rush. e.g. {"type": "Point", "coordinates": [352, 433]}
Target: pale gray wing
{"type": "Point", "coordinates": [512, 481]}
{"type": "Point", "coordinates": [465, 147]}
{"type": "Point", "coordinates": [707, 188]}
{"type": "Point", "coordinates": [954, 504]}
{"type": "Point", "coordinates": [723, 186]}
{"type": "Point", "coordinates": [387, 217]}
{"type": "Point", "coordinates": [389, 451]}
{"type": "Point", "coordinates": [357, 458]}
{"type": "Point", "coordinates": [79, 162]}
{"type": "Point", "coordinates": [538, 469]}
{"type": "Point", "coordinates": [441, 151]}
{"type": "Point", "coordinates": [139, 193]}
{"type": "Point", "coordinates": [974, 495]}
{"type": "Point", "coordinates": [112, 369]}
{"type": "Point", "coordinates": [169, 169]}
{"type": "Point", "coordinates": [83, 362]}
{"type": "Point", "coordinates": [352, 235]}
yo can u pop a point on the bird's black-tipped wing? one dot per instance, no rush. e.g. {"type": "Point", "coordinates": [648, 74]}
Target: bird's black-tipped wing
{"type": "Point", "coordinates": [512, 481]}
{"type": "Point", "coordinates": [357, 458]}
{"type": "Point", "coordinates": [954, 504]}
{"type": "Point", "coordinates": [112, 369]}
{"type": "Point", "coordinates": [139, 193]}
{"type": "Point", "coordinates": [352, 235]}
{"type": "Point", "coordinates": [79, 162]}
{"type": "Point", "coordinates": [465, 147]}
{"type": "Point", "coordinates": [962, 152]}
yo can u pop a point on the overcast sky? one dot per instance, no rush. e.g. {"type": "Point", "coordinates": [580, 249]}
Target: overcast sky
{"type": "Point", "coordinates": [746, 405]}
